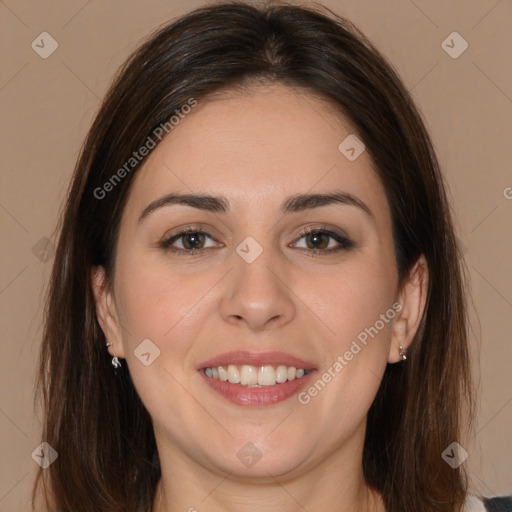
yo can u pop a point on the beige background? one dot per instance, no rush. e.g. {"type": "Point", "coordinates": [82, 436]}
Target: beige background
{"type": "Point", "coordinates": [48, 104]}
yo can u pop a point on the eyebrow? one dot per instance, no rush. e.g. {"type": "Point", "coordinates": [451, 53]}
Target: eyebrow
{"type": "Point", "coordinates": [220, 204]}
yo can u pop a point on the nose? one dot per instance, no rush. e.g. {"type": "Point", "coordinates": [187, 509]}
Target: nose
{"type": "Point", "coordinates": [257, 294]}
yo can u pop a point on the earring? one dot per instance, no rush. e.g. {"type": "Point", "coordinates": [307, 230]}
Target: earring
{"type": "Point", "coordinates": [402, 353]}
{"type": "Point", "coordinates": [115, 360]}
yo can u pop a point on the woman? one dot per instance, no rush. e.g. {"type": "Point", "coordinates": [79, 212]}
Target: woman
{"type": "Point", "coordinates": [257, 301]}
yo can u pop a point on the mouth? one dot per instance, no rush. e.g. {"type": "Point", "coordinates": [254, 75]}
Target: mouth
{"type": "Point", "coordinates": [256, 379]}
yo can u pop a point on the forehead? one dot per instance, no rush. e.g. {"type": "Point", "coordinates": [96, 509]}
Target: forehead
{"type": "Point", "coordinates": [256, 148]}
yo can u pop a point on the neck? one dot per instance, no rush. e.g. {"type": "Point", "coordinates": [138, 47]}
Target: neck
{"type": "Point", "coordinates": [283, 497]}
{"type": "Point", "coordinates": [188, 486]}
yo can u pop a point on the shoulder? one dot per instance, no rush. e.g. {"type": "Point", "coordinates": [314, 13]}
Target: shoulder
{"type": "Point", "coordinates": [501, 504]}
{"type": "Point", "coordinates": [498, 504]}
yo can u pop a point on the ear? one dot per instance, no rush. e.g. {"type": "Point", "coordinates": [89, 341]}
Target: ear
{"type": "Point", "coordinates": [106, 312]}
{"type": "Point", "coordinates": [412, 298]}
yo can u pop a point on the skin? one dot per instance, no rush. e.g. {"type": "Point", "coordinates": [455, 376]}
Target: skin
{"type": "Point", "coordinates": [256, 149]}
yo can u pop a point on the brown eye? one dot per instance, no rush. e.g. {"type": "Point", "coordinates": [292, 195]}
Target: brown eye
{"type": "Point", "coordinates": [324, 242]}
{"type": "Point", "coordinates": [317, 240]}
{"type": "Point", "coordinates": [188, 241]}
{"type": "Point", "coordinates": [193, 240]}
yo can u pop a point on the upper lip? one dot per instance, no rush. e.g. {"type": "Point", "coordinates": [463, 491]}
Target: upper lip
{"type": "Point", "coordinates": [241, 357]}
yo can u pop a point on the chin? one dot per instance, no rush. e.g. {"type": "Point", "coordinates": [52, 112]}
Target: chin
{"type": "Point", "coordinates": [261, 463]}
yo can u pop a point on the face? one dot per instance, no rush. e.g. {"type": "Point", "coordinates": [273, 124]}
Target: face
{"type": "Point", "coordinates": [258, 277]}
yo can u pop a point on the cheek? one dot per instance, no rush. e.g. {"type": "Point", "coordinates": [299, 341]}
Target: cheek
{"type": "Point", "coordinates": [355, 346]}
{"type": "Point", "coordinates": [166, 308]}
{"type": "Point", "coordinates": [351, 300]}
{"type": "Point", "coordinates": [157, 301]}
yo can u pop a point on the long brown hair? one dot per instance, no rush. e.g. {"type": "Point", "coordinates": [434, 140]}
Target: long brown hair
{"type": "Point", "coordinates": [95, 420]}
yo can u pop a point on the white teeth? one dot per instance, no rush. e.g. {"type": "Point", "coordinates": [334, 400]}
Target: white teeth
{"type": "Point", "coordinates": [223, 375]}
{"type": "Point", "coordinates": [266, 376]}
{"type": "Point", "coordinates": [281, 373]}
{"type": "Point", "coordinates": [248, 375]}
{"type": "Point", "coordinates": [233, 374]}
{"type": "Point", "coordinates": [252, 376]}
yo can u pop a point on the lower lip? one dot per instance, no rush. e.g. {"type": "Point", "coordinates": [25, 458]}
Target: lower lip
{"type": "Point", "coordinates": [257, 397]}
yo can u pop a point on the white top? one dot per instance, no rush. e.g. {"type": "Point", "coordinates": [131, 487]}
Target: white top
{"type": "Point", "coordinates": [474, 504]}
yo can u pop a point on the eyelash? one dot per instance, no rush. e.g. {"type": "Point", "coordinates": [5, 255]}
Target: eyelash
{"type": "Point", "coordinates": [344, 242]}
